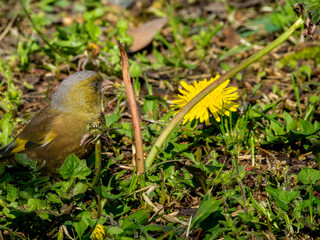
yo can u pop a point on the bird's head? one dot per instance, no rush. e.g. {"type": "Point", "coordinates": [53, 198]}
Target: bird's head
{"type": "Point", "coordinates": [79, 93]}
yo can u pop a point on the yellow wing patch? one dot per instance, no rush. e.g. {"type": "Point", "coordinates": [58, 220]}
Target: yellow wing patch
{"type": "Point", "coordinates": [47, 139]}
{"type": "Point", "coordinates": [19, 145]}
{"type": "Point", "coordinates": [27, 144]}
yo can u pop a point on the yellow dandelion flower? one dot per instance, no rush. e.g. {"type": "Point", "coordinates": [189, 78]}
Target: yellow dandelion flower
{"type": "Point", "coordinates": [219, 102]}
{"type": "Point", "coordinates": [98, 233]}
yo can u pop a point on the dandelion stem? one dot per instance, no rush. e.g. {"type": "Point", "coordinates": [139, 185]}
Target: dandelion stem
{"type": "Point", "coordinates": [245, 63]}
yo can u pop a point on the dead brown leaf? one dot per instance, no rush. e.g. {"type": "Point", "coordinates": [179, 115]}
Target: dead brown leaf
{"type": "Point", "coordinates": [143, 35]}
{"type": "Point", "coordinates": [217, 8]}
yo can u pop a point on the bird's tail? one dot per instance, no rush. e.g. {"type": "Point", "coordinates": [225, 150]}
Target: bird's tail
{"type": "Point", "coordinates": [6, 152]}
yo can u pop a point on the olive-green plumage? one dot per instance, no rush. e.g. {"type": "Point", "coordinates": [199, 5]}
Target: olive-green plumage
{"type": "Point", "coordinates": [56, 131]}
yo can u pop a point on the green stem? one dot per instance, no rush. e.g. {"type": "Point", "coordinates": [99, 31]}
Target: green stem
{"type": "Point", "coordinates": [175, 121]}
{"type": "Point", "coordinates": [43, 36]}
{"type": "Point", "coordinates": [239, 180]}
{"type": "Point", "coordinates": [97, 166]}
{"type": "Point", "coordinates": [311, 203]}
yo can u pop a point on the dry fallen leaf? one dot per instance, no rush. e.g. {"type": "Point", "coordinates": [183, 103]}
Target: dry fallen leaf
{"type": "Point", "coordinates": [143, 35]}
{"type": "Point", "coordinates": [217, 8]}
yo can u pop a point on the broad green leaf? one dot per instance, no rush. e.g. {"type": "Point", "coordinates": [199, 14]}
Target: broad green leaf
{"type": "Point", "coordinates": [6, 212]}
{"type": "Point", "coordinates": [107, 194]}
{"type": "Point", "coordinates": [138, 217]}
{"type": "Point", "coordinates": [278, 129]}
{"type": "Point", "coordinates": [111, 119]}
{"type": "Point", "coordinates": [6, 127]}
{"type": "Point", "coordinates": [181, 147]}
{"type": "Point", "coordinates": [314, 99]}
{"type": "Point", "coordinates": [160, 59]}
{"type": "Point", "coordinates": [53, 198]}
{"type": "Point", "coordinates": [80, 227]}
{"type": "Point", "coordinates": [122, 26]}
{"type": "Point", "coordinates": [94, 14]}
{"type": "Point", "coordinates": [63, 188]}
{"type": "Point", "coordinates": [205, 209]}
{"type": "Point", "coordinates": [41, 20]}
{"type": "Point", "coordinates": [282, 197]}
{"type": "Point", "coordinates": [199, 175]}
{"type": "Point", "coordinates": [306, 127]}
{"type": "Point", "coordinates": [149, 106]}
{"type": "Point", "coordinates": [43, 215]}
{"type": "Point", "coordinates": [73, 167]}
{"type": "Point", "coordinates": [114, 230]}
{"type": "Point", "coordinates": [189, 155]}
{"type": "Point", "coordinates": [290, 123]}
{"type": "Point", "coordinates": [25, 161]}
{"type": "Point", "coordinates": [119, 210]}
{"type": "Point", "coordinates": [69, 43]}
{"type": "Point", "coordinates": [309, 176]}
{"type": "Point", "coordinates": [307, 70]}
{"type": "Point", "coordinates": [93, 30]}
{"type": "Point", "coordinates": [12, 193]}
{"type": "Point", "coordinates": [79, 188]}
{"type": "Point", "coordinates": [135, 69]}
{"type": "Point", "coordinates": [33, 204]}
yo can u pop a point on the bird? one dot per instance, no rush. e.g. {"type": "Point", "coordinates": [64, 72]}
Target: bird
{"type": "Point", "coordinates": [57, 131]}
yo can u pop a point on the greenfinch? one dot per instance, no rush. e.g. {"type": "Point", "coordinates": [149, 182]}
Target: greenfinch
{"type": "Point", "coordinates": [58, 130]}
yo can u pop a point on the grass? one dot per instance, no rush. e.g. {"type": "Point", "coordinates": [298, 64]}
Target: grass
{"type": "Point", "coordinates": [254, 175]}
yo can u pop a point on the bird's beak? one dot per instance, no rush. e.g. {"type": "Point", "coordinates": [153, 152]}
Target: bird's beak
{"type": "Point", "coordinates": [106, 85]}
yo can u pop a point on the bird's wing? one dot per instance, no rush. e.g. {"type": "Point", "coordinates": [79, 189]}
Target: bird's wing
{"type": "Point", "coordinates": [36, 133]}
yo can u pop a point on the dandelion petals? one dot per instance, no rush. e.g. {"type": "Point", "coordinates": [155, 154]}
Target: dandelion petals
{"type": "Point", "coordinates": [219, 102]}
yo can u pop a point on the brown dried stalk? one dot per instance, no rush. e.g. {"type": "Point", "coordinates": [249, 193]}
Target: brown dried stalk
{"type": "Point", "coordinates": [133, 109]}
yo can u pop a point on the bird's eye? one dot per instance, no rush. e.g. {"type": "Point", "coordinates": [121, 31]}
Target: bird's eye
{"type": "Point", "coordinates": [96, 84]}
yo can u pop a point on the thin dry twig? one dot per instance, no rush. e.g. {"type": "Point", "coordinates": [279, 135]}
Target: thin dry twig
{"type": "Point", "coordinates": [126, 167]}
{"type": "Point", "coordinates": [1, 237]}
{"type": "Point", "coordinates": [66, 232]}
{"type": "Point", "coordinates": [189, 225]}
{"type": "Point", "coordinates": [133, 110]}
{"type": "Point", "coordinates": [152, 187]}
{"type": "Point", "coordinates": [159, 210]}
{"type": "Point", "coordinates": [4, 33]}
